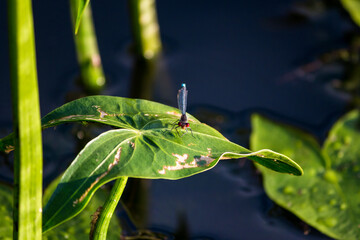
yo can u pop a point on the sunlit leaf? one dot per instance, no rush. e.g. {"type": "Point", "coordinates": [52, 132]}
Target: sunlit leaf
{"type": "Point", "coordinates": [327, 196]}
{"type": "Point", "coordinates": [145, 147]}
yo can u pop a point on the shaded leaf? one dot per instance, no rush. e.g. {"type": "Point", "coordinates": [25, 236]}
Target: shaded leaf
{"type": "Point", "coordinates": [6, 199]}
{"type": "Point", "coordinates": [145, 148]}
{"type": "Point", "coordinates": [327, 196]}
{"type": "Point", "coordinates": [76, 228]}
{"type": "Point", "coordinates": [7, 143]}
{"type": "Point", "coordinates": [79, 227]}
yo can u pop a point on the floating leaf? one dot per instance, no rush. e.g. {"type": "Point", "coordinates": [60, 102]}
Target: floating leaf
{"type": "Point", "coordinates": [327, 196]}
{"type": "Point", "coordinates": [146, 147]}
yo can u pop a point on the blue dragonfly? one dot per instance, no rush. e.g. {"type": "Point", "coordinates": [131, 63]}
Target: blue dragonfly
{"type": "Point", "coordinates": [182, 103]}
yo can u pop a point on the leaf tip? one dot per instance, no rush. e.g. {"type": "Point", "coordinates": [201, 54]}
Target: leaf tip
{"type": "Point", "coordinates": [82, 6]}
{"type": "Point", "coordinates": [299, 172]}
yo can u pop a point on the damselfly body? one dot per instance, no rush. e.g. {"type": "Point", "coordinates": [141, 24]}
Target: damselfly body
{"type": "Point", "coordinates": [182, 103]}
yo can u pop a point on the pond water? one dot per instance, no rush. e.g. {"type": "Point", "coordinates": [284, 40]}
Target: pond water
{"type": "Point", "coordinates": [236, 58]}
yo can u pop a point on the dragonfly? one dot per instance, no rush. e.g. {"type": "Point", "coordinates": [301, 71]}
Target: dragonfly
{"type": "Point", "coordinates": [182, 102]}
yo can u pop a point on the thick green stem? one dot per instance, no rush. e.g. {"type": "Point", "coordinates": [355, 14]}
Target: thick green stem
{"type": "Point", "coordinates": [145, 28]}
{"type": "Point", "coordinates": [103, 221]}
{"type": "Point", "coordinates": [88, 56]}
{"type": "Point", "coordinates": [27, 126]}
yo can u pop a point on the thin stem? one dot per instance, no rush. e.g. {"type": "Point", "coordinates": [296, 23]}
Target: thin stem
{"type": "Point", "coordinates": [145, 28]}
{"type": "Point", "coordinates": [103, 221]}
{"type": "Point", "coordinates": [27, 126]}
{"type": "Point", "coordinates": [92, 74]}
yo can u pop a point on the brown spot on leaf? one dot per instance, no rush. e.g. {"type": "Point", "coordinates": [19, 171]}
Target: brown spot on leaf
{"type": "Point", "coordinates": [150, 115]}
{"type": "Point", "coordinates": [94, 219]}
{"type": "Point", "coordinates": [204, 160]}
{"type": "Point", "coordinates": [103, 113]}
{"type": "Point", "coordinates": [174, 113]}
{"type": "Point", "coordinates": [132, 144]}
{"type": "Point", "coordinates": [180, 163]}
{"type": "Point", "coordinates": [9, 148]}
{"type": "Point", "coordinates": [111, 165]}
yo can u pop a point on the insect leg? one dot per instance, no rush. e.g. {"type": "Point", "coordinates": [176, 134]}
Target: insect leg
{"type": "Point", "coordinates": [184, 132]}
{"type": "Point", "coordinates": [176, 128]}
{"type": "Point", "coordinates": [190, 130]}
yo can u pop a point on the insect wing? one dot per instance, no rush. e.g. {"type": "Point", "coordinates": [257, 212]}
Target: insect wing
{"type": "Point", "coordinates": [182, 99]}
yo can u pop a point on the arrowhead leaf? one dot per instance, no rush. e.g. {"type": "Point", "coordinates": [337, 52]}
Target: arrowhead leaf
{"type": "Point", "coordinates": [144, 147]}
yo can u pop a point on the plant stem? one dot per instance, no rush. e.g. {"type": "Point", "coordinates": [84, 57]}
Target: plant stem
{"type": "Point", "coordinates": [27, 126]}
{"type": "Point", "coordinates": [92, 74]}
{"type": "Point", "coordinates": [103, 221]}
{"type": "Point", "coordinates": [145, 28]}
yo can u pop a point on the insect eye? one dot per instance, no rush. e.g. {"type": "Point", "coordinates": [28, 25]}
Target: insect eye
{"type": "Point", "coordinates": [187, 124]}
{"type": "Point", "coordinates": [179, 124]}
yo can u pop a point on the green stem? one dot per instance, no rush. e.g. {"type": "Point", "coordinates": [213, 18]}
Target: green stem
{"type": "Point", "coordinates": [27, 126]}
{"type": "Point", "coordinates": [103, 221]}
{"type": "Point", "coordinates": [92, 74]}
{"type": "Point", "coordinates": [145, 28]}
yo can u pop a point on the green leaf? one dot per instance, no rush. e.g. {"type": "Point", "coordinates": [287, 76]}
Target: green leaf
{"type": "Point", "coordinates": [26, 122]}
{"type": "Point", "coordinates": [6, 200]}
{"type": "Point", "coordinates": [146, 147]}
{"type": "Point", "coordinates": [7, 143]}
{"type": "Point", "coordinates": [327, 196]}
{"type": "Point", "coordinates": [353, 7]}
{"type": "Point", "coordinates": [76, 228]}
{"type": "Point", "coordinates": [79, 227]}
{"type": "Point", "coordinates": [82, 5]}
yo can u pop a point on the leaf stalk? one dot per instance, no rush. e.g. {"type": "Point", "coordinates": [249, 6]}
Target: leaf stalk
{"type": "Point", "coordinates": [103, 221]}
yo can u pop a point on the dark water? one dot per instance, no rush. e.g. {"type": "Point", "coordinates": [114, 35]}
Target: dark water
{"type": "Point", "coordinates": [236, 57]}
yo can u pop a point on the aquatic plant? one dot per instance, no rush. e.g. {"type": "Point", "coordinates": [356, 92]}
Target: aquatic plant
{"type": "Point", "coordinates": [326, 197]}
{"type": "Point", "coordinates": [142, 147]}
